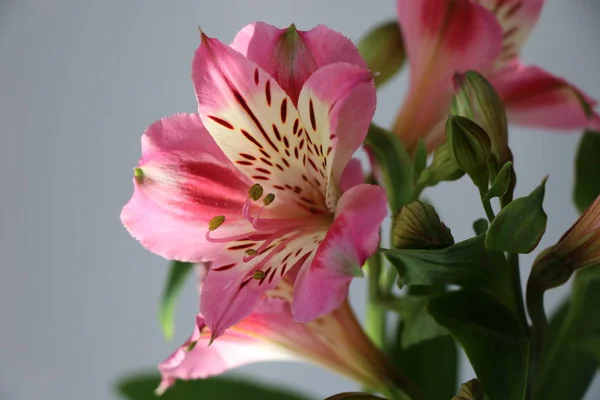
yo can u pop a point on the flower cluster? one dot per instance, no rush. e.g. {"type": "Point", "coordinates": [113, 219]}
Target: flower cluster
{"type": "Point", "coordinates": [260, 190]}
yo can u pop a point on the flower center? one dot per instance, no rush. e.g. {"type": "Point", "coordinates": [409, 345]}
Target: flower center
{"type": "Point", "coordinates": [270, 235]}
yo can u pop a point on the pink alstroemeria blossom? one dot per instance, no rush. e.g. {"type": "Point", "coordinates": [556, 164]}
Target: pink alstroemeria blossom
{"type": "Point", "coordinates": [270, 333]}
{"type": "Point", "coordinates": [281, 112]}
{"type": "Point", "coordinates": [443, 37]}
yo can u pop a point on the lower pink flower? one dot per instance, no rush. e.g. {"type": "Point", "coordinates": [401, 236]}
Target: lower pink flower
{"type": "Point", "coordinates": [270, 333]}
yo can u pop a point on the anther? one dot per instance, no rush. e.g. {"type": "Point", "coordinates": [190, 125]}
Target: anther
{"type": "Point", "coordinates": [216, 222]}
{"type": "Point", "coordinates": [138, 173]}
{"type": "Point", "coordinates": [251, 252]}
{"type": "Point", "coordinates": [255, 192]}
{"type": "Point", "coordinates": [258, 274]}
{"type": "Point", "coordinates": [269, 199]}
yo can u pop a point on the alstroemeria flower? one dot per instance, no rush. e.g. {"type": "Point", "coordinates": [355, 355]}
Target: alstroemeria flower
{"type": "Point", "coordinates": [281, 112]}
{"type": "Point", "coordinates": [443, 37]}
{"type": "Point", "coordinates": [270, 333]}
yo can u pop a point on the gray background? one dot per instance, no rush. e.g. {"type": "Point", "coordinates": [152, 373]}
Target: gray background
{"type": "Point", "coordinates": [79, 81]}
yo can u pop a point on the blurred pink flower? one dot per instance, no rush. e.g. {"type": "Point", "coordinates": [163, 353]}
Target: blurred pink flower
{"type": "Point", "coordinates": [281, 112]}
{"type": "Point", "coordinates": [447, 36]}
{"type": "Point", "coordinates": [270, 333]}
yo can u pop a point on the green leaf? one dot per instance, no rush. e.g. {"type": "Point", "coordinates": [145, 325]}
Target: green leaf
{"type": "Point", "coordinates": [463, 264]}
{"type": "Point", "coordinates": [418, 325]}
{"type": "Point", "coordinates": [178, 272]}
{"type": "Point", "coordinates": [501, 183]}
{"type": "Point", "coordinates": [587, 184]}
{"type": "Point", "coordinates": [565, 371]}
{"type": "Point", "coordinates": [395, 163]}
{"type": "Point", "coordinates": [520, 225]}
{"type": "Point", "coordinates": [354, 396]}
{"type": "Point", "coordinates": [383, 50]}
{"type": "Point", "coordinates": [141, 387]}
{"type": "Point", "coordinates": [590, 345]}
{"type": "Point", "coordinates": [432, 365]}
{"type": "Point", "coordinates": [492, 338]}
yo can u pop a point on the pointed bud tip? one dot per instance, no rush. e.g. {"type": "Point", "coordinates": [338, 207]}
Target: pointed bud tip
{"type": "Point", "coordinates": [216, 222]}
{"type": "Point", "coordinates": [255, 192]}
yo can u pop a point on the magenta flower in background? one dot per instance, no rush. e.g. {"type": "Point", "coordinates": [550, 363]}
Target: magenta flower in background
{"type": "Point", "coordinates": [281, 112]}
{"type": "Point", "coordinates": [445, 36]}
{"type": "Point", "coordinates": [270, 333]}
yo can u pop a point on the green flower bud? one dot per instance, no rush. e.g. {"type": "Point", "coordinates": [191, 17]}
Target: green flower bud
{"type": "Point", "coordinates": [383, 50]}
{"type": "Point", "coordinates": [477, 100]}
{"type": "Point", "coordinates": [471, 390]}
{"type": "Point", "coordinates": [443, 168]}
{"type": "Point", "coordinates": [470, 147]}
{"type": "Point", "coordinates": [418, 226]}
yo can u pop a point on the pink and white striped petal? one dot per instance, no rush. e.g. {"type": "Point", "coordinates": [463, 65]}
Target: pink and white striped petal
{"type": "Point", "coordinates": [237, 280]}
{"type": "Point", "coordinates": [336, 106]}
{"type": "Point", "coordinates": [256, 125]}
{"type": "Point", "coordinates": [534, 97]}
{"type": "Point", "coordinates": [441, 37]}
{"type": "Point", "coordinates": [291, 56]}
{"type": "Point", "coordinates": [322, 284]}
{"type": "Point", "coordinates": [517, 18]}
{"type": "Point", "coordinates": [182, 181]}
{"type": "Point", "coordinates": [195, 359]}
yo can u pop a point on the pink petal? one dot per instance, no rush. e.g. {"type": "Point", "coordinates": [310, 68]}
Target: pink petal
{"type": "Point", "coordinates": [336, 106]}
{"type": "Point", "coordinates": [353, 175]}
{"type": "Point", "coordinates": [196, 360]}
{"type": "Point", "coordinates": [187, 180]}
{"type": "Point", "coordinates": [256, 125]}
{"type": "Point", "coordinates": [441, 38]}
{"type": "Point", "coordinates": [534, 97]}
{"type": "Point", "coordinates": [517, 18]}
{"type": "Point", "coordinates": [231, 289]}
{"type": "Point", "coordinates": [323, 284]}
{"type": "Point", "coordinates": [291, 56]}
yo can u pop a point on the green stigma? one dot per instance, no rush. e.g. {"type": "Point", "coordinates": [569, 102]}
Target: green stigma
{"type": "Point", "coordinates": [258, 274]}
{"type": "Point", "coordinates": [216, 222]}
{"type": "Point", "coordinates": [269, 199]}
{"type": "Point", "coordinates": [255, 192]}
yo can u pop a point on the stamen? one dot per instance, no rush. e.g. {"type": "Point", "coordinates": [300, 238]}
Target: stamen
{"type": "Point", "coordinates": [269, 199]}
{"type": "Point", "coordinates": [216, 222]}
{"type": "Point", "coordinates": [255, 192]}
{"type": "Point", "coordinates": [138, 173]}
{"type": "Point", "coordinates": [251, 252]}
{"type": "Point", "coordinates": [258, 275]}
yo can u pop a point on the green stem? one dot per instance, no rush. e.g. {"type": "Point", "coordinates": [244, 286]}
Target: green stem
{"type": "Point", "coordinates": [487, 206]}
{"type": "Point", "coordinates": [376, 321]}
{"type": "Point", "coordinates": [515, 278]}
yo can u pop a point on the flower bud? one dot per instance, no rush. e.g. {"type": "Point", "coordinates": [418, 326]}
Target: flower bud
{"type": "Point", "coordinates": [477, 100]}
{"type": "Point", "coordinates": [580, 245]}
{"type": "Point", "coordinates": [383, 50]}
{"type": "Point", "coordinates": [471, 390]}
{"type": "Point", "coordinates": [443, 168]}
{"type": "Point", "coordinates": [418, 226]}
{"type": "Point", "coordinates": [470, 147]}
